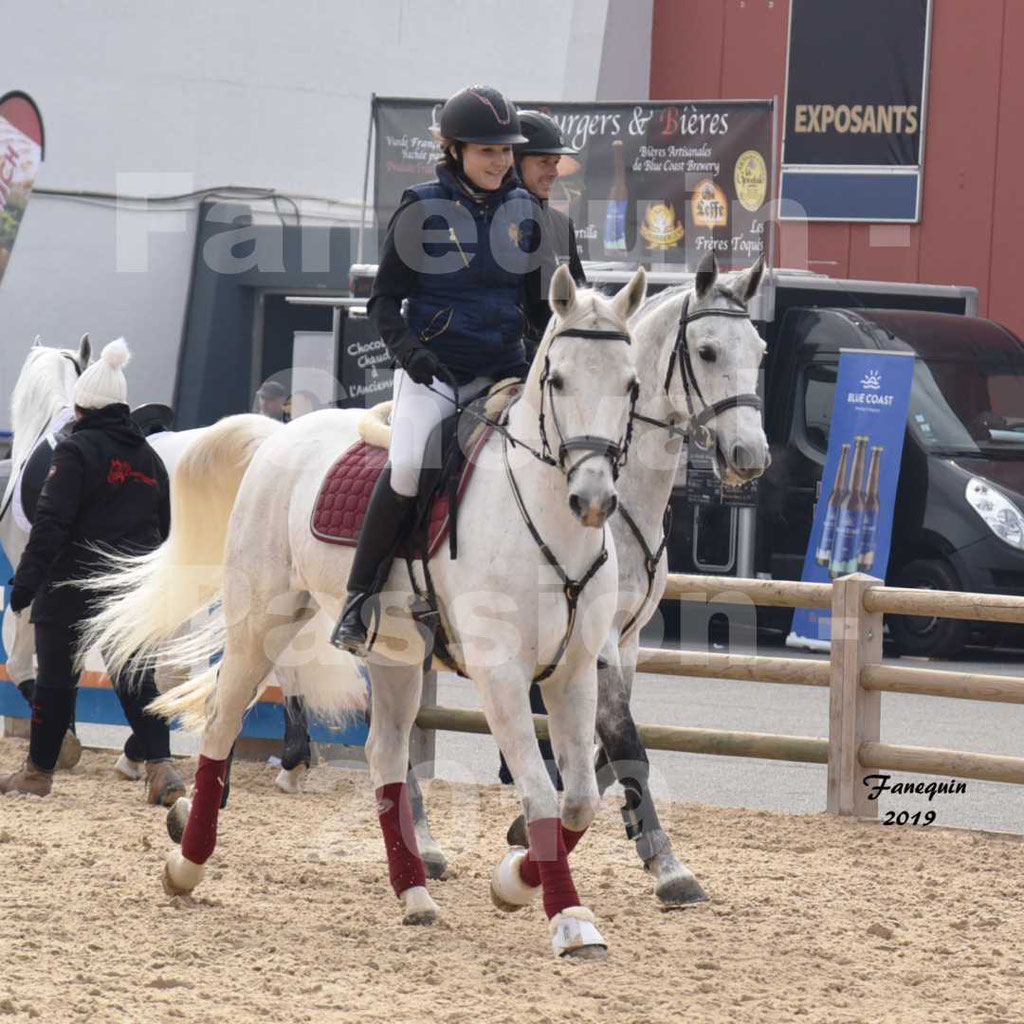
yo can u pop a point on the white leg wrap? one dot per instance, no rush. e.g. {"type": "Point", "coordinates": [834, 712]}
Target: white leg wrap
{"type": "Point", "coordinates": [418, 907]}
{"type": "Point", "coordinates": [128, 769]}
{"type": "Point", "coordinates": [507, 885]}
{"type": "Point", "coordinates": [291, 781]}
{"type": "Point", "coordinates": [574, 930]}
{"type": "Point", "coordinates": [181, 876]}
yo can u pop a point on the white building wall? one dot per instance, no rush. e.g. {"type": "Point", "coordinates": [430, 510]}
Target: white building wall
{"type": "Point", "coordinates": [241, 92]}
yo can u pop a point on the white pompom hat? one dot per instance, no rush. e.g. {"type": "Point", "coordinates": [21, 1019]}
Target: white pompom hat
{"type": "Point", "coordinates": [103, 383]}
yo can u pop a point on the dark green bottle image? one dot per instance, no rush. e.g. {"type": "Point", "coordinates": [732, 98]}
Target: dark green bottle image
{"type": "Point", "coordinates": [846, 547]}
{"type": "Point", "coordinates": [823, 555]}
{"type": "Point", "coordinates": [872, 506]}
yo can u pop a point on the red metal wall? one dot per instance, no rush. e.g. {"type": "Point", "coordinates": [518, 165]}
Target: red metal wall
{"type": "Point", "coordinates": [972, 216]}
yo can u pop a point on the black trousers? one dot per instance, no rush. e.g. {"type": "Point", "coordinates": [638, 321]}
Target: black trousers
{"type": "Point", "coordinates": [56, 682]}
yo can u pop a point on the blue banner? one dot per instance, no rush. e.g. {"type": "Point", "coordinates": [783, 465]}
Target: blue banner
{"type": "Point", "coordinates": [853, 519]}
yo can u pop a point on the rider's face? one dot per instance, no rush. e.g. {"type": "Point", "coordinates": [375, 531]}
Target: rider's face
{"type": "Point", "coordinates": [539, 174]}
{"type": "Point", "coordinates": [485, 166]}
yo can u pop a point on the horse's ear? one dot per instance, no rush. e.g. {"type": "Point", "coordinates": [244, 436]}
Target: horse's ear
{"type": "Point", "coordinates": [631, 296]}
{"type": "Point", "coordinates": [84, 351]}
{"type": "Point", "coordinates": [750, 280]}
{"type": "Point", "coordinates": [707, 274]}
{"type": "Point", "coordinates": [38, 341]}
{"type": "Point", "coordinates": [562, 293]}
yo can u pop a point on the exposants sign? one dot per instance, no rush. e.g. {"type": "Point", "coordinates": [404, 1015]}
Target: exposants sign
{"type": "Point", "coordinates": [855, 102]}
{"type": "Point", "coordinates": [652, 182]}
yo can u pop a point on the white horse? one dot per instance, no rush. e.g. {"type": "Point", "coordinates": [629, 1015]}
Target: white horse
{"type": "Point", "coordinates": [576, 398]}
{"type": "Point", "coordinates": [696, 350]}
{"type": "Point", "coordinates": [42, 404]}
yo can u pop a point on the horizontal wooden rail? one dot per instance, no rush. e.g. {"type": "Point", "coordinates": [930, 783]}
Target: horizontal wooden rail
{"type": "Point", "coordinates": [945, 604]}
{"type": "Point", "coordinates": [937, 683]}
{"type": "Point", "coordinates": [929, 761]}
{"type": "Point", "coordinates": [775, 593]}
{"type": "Point", "coordinates": [806, 749]}
{"type": "Point", "coordinates": [796, 671]}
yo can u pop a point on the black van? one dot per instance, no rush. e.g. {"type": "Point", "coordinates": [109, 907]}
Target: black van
{"type": "Point", "coordinates": [959, 517]}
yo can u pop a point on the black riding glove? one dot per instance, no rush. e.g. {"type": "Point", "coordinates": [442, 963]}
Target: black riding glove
{"type": "Point", "coordinates": [421, 365]}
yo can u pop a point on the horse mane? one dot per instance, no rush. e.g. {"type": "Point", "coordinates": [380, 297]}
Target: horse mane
{"type": "Point", "coordinates": [40, 393]}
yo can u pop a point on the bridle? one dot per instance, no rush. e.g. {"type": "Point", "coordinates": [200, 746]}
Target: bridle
{"type": "Point", "coordinates": [710, 411]}
{"type": "Point", "coordinates": [595, 447]}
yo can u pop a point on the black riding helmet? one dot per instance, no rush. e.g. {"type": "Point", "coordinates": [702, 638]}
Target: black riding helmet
{"type": "Point", "coordinates": [482, 115]}
{"type": "Point", "coordinates": [543, 136]}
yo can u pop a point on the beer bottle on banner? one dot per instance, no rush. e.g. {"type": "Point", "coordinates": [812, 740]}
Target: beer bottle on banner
{"type": "Point", "coordinates": [618, 203]}
{"type": "Point", "coordinates": [846, 547]}
{"type": "Point", "coordinates": [828, 531]}
{"type": "Point", "coordinates": [872, 507]}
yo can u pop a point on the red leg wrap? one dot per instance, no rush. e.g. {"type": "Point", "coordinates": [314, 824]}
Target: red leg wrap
{"type": "Point", "coordinates": [200, 836]}
{"type": "Point", "coordinates": [405, 867]}
{"type": "Point", "coordinates": [547, 863]}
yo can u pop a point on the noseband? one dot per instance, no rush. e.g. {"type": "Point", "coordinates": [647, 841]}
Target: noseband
{"type": "Point", "coordinates": [681, 352]}
{"type": "Point", "coordinates": [596, 447]}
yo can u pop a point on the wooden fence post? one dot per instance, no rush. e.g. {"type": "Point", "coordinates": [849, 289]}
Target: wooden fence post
{"type": "Point", "coordinates": [854, 713]}
{"type": "Point", "coordinates": [423, 742]}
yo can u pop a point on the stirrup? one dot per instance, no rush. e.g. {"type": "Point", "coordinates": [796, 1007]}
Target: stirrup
{"type": "Point", "coordinates": [354, 638]}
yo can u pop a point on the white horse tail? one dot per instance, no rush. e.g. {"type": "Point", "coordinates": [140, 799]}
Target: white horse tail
{"type": "Point", "coordinates": [155, 594]}
{"type": "Point", "coordinates": [187, 702]}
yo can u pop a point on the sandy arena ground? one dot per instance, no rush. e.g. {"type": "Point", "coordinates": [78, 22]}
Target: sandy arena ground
{"type": "Point", "coordinates": [812, 919]}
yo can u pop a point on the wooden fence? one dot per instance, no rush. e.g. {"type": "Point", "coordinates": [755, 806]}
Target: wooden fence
{"type": "Point", "coordinates": [854, 674]}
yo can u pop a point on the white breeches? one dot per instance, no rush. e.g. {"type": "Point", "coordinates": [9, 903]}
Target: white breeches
{"type": "Point", "coordinates": [417, 410]}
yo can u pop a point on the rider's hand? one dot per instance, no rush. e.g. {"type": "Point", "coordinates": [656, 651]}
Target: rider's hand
{"type": "Point", "coordinates": [421, 365]}
{"type": "Point", "coordinates": [21, 598]}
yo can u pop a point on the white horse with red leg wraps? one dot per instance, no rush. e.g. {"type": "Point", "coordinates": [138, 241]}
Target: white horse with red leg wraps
{"type": "Point", "coordinates": [506, 627]}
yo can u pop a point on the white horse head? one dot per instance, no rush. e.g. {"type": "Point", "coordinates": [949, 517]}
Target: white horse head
{"type": "Point", "coordinates": [45, 386]}
{"type": "Point", "coordinates": [709, 356]}
{"type": "Point", "coordinates": [582, 383]}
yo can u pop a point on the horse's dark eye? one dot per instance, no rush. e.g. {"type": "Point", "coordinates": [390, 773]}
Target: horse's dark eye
{"type": "Point", "coordinates": [556, 382]}
{"type": "Point", "coordinates": [707, 353]}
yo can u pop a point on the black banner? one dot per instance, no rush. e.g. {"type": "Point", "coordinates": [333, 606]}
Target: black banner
{"type": "Point", "coordinates": [855, 107]}
{"type": "Point", "coordinates": [652, 183]}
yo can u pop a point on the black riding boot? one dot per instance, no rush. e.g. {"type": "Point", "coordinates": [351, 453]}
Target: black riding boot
{"type": "Point", "coordinates": [383, 526]}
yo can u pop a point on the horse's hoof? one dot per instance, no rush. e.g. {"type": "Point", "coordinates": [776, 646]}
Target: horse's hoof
{"type": "Point", "coordinates": [128, 769]}
{"type": "Point", "coordinates": [517, 834]}
{"type": "Point", "coordinates": [574, 934]}
{"type": "Point", "coordinates": [418, 907]}
{"type": "Point", "coordinates": [70, 752]}
{"type": "Point", "coordinates": [177, 818]}
{"type": "Point", "coordinates": [675, 885]}
{"type": "Point", "coordinates": [291, 781]}
{"type": "Point", "coordinates": [180, 875]}
{"type": "Point", "coordinates": [435, 864]}
{"type": "Point", "coordinates": [680, 890]}
{"type": "Point", "coordinates": [508, 891]}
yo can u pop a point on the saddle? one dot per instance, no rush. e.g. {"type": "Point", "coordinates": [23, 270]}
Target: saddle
{"type": "Point", "coordinates": [344, 494]}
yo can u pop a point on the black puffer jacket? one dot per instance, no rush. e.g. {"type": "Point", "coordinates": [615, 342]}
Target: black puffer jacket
{"type": "Point", "coordinates": [106, 488]}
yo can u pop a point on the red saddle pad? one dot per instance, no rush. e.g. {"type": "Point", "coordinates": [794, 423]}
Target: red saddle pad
{"type": "Point", "coordinates": [345, 492]}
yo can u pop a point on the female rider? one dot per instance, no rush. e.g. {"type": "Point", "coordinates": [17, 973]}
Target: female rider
{"type": "Point", "coordinates": [458, 251]}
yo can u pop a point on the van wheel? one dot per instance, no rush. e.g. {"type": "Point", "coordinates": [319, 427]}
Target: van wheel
{"type": "Point", "coordinates": [927, 636]}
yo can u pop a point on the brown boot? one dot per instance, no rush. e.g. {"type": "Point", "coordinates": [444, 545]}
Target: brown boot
{"type": "Point", "coordinates": [163, 783]}
{"type": "Point", "coordinates": [30, 779]}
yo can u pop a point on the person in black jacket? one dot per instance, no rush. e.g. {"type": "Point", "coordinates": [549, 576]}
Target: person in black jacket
{"type": "Point", "coordinates": [106, 489]}
{"type": "Point", "coordinates": [458, 251]}
{"type": "Point", "coordinates": [537, 165]}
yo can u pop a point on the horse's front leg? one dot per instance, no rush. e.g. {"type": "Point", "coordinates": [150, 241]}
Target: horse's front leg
{"type": "Point", "coordinates": [545, 865]}
{"type": "Point", "coordinates": [623, 758]}
{"type": "Point", "coordinates": [395, 701]}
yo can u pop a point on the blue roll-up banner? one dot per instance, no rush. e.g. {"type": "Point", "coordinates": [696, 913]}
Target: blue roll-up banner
{"type": "Point", "coordinates": [853, 519]}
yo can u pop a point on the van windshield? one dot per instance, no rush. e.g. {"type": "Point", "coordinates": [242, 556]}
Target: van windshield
{"type": "Point", "coordinates": [964, 407]}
